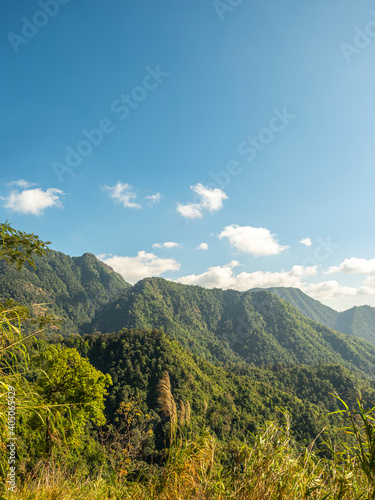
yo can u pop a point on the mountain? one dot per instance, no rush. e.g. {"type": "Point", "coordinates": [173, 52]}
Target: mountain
{"type": "Point", "coordinates": [73, 288]}
{"type": "Point", "coordinates": [306, 305]}
{"type": "Point", "coordinates": [222, 326]}
{"type": "Point", "coordinates": [232, 400]}
{"type": "Point", "coordinates": [357, 321]}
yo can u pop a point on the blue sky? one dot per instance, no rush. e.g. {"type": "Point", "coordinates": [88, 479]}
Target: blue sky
{"type": "Point", "coordinates": [246, 126]}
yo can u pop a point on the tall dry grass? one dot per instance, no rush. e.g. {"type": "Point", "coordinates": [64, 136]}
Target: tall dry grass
{"type": "Point", "coordinates": [203, 469]}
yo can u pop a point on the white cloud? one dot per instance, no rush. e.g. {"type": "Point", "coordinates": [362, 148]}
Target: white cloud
{"type": "Point", "coordinates": [354, 265]}
{"type": "Point", "coordinates": [190, 211]}
{"type": "Point", "coordinates": [210, 199]}
{"type": "Point", "coordinates": [306, 241]}
{"type": "Point", "coordinates": [153, 199]}
{"type": "Point", "coordinates": [103, 256]}
{"type": "Point", "coordinates": [224, 277]}
{"type": "Point", "coordinates": [21, 184]}
{"type": "Point", "coordinates": [366, 290]}
{"type": "Point", "coordinates": [341, 297]}
{"type": "Point", "coordinates": [32, 201]}
{"type": "Point", "coordinates": [215, 277]}
{"type": "Point", "coordinates": [144, 265]}
{"type": "Point", "coordinates": [329, 290]}
{"type": "Point", "coordinates": [202, 246]}
{"type": "Point", "coordinates": [257, 241]}
{"type": "Point", "coordinates": [167, 244]}
{"type": "Point", "coordinates": [122, 193]}
{"type": "Point", "coordinates": [370, 280]}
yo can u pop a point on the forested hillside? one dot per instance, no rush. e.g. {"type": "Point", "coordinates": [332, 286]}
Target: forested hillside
{"type": "Point", "coordinates": [232, 400]}
{"type": "Point", "coordinates": [73, 288]}
{"type": "Point", "coordinates": [256, 327]}
{"type": "Point", "coordinates": [306, 305]}
{"type": "Point", "coordinates": [358, 321]}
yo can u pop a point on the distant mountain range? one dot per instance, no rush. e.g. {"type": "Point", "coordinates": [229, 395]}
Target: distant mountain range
{"type": "Point", "coordinates": [357, 321]}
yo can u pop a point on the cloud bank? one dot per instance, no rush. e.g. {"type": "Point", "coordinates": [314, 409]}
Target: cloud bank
{"type": "Point", "coordinates": [144, 265]}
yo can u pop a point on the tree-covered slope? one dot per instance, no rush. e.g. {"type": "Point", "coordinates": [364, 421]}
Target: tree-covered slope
{"type": "Point", "coordinates": [223, 326]}
{"type": "Point", "coordinates": [73, 287]}
{"type": "Point", "coordinates": [306, 305]}
{"type": "Point", "coordinates": [232, 399]}
{"type": "Point", "coordinates": [357, 321]}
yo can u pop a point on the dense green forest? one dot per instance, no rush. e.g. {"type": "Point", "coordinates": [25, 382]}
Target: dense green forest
{"type": "Point", "coordinates": [221, 326]}
{"type": "Point", "coordinates": [192, 393]}
{"type": "Point", "coordinates": [232, 400]}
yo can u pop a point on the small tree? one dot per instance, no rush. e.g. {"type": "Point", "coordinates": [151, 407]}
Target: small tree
{"type": "Point", "coordinates": [19, 248]}
{"type": "Point", "coordinates": [57, 391]}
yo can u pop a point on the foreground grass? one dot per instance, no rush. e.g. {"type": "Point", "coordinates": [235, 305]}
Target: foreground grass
{"type": "Point", "coordinates": [202, 469]}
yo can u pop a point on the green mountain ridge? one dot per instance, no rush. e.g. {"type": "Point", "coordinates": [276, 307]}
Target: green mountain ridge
{"type": "Point", "coordinates": [358, 321]}
{"type": "Point", "coordinates": [221, 326]}
{"type": "Point", "coordinates": [72, 288]}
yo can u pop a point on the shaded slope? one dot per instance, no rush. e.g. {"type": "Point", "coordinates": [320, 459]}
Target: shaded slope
{"type": "Point", "coordinates": [74, 288]}
{"type": "Point", "coordinates": [306, 305]}
{"type": "Point", "coordinates": [357, 321]}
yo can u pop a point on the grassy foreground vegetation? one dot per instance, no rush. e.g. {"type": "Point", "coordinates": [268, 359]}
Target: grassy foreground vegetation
{"type": "Point", "coordinates": [175, 445]}
{"type": "Point", "coordinates": [201, 468]}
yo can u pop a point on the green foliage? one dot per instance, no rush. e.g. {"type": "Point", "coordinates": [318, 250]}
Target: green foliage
{"type": "Point", "coordinates": [307, 306]}
{"type": "Point", "coordinates": [193, 411]}
{"type": "Point", "coordinates": [232, 400]}
{"type": "Point", "coordinates": [358, 321]}
{"type": "Point", "coordinates": [265, 468]}
{"type": "Point", "coordinates": [19, 248]}
{"type": "Point", "coordinates": [73, 388]}
{"type": "Point", "coordinates": [361, 426]}
{"type": "Point", "coordinates": [53, 394]}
